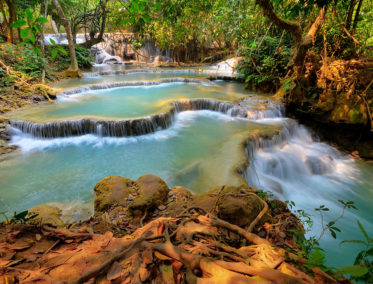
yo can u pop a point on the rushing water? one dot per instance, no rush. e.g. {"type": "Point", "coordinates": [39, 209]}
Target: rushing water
{"type": "Point", "coordinates": [199, 147]}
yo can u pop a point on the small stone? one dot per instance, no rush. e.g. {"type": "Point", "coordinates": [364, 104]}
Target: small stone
{"type": "Point", "coordinates": [161, 207]}
{"type": "Point", "coordinates": [38, 237]}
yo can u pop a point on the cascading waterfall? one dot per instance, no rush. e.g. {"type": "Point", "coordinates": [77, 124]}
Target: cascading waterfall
{"type": "Point", "coordinates": [128, 127]}
{"type": "Point", "coordinates": [131, 84]}
{"type": "Point", "coordinates": [276, 164]}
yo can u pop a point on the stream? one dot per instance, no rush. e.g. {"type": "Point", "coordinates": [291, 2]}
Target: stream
{"type": "Point", "coordinates": [188, 130]}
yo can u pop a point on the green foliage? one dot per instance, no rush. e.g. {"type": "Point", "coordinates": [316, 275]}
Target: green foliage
{"type": "Point", "coordinates": [5, 80]}
{"type": "Point", "coordinates": [265, 62]}
{"type": "Point", "coordinates": [30, 28]}
{"type": "Point", "coordinates": [316, 258]}
{"type": "Point", "coordinates": [265, 194]}
{"type": "Point", "coordinates": [23, 59]}
{"type": "Point", "coordinates": [362, 270]}
{"type": "Point", "coordinates": [58, 56]}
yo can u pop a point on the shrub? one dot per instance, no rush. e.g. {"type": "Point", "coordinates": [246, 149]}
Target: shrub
{"type": "Point", "coordinates": [62, 61]}
{"type": "Point", "coordinates": [23, 59]}
{"type": "Point", "coordinates": [264, 65]}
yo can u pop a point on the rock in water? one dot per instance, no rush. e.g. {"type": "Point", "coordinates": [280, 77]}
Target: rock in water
{"type": "Point", "coordinates": [112, 190]}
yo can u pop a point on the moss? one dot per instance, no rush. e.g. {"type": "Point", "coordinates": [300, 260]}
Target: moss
{"type": "Point", "coordinates": [46, 215]}
{"type": "Point", "coordinates": [112, 191]}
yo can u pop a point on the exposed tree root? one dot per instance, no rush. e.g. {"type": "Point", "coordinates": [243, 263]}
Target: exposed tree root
{"type": "Point", "coordinates": [193, 248]}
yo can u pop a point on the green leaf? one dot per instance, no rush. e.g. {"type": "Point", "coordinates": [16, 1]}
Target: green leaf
{"type": "Point", "coordinates": [334, 235]}
{"type": "Point", "coordinates": [42, 20]}
{"type": "Point", "coordinates": [62, 50]}
{"type": "Point", "coordinates": [355, 270]}
{"type": "Point", "coordinates": [330, 224]}
{"type": "Point", "coordinates": [36, 50]}
{"type": "Point", "coordinates": [370, 252]}
{"type": "Point", "coordinates": [335, 229]}
{"type": "Point", "coordinates": [20, 216]}
{"type": "Point", "coordinates": [52, 41]}
{"type": "Point", "coordinates": [32, 39]}
{"type": "Point", "coordinates": [317, 257]}
{"type": "Point", "coordinates": [363, 230]}
{"type": "Point", "coordinates": [25, 32]}
{"type": "Point", "coordinates": [354, 242]}
{"type": "Point", "coordinates": [18, 24]}
{"type": "Point", "coordinates": [29, 14]}
{"type": "Point", "coordinates": [54, 53]}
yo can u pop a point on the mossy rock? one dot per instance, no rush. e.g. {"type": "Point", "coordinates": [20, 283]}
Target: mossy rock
{"type": "Point", "coordinates": [112, 190]}
{"type": "Point", "coordinates": [45, 215]}
{"type": "Point", "coordinates": [47, 91]}
{"type": "Point", "coordinates": [238, 205]}
{"type": "Point", "coordinates": [152, 192]}
{"type": "Point", "coordinates": [71, 73]}
{"type": "Point", "coordinates": [181, 193]}
{"type": "Point", "coordinates": [278, 206]}
{"type": "Point", "coordinates": [154, 186]}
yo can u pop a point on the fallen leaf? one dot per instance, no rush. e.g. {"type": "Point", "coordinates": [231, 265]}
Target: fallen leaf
{"type": "Point", "coordinates": [114, 271]}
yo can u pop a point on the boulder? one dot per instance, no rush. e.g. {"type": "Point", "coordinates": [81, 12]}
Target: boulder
{"type": "Point", "coordinates": [152, 192]}
{"type": "Point", "coordinates": [45, 215]}
{"type": "Point", "coordinates": [112, 190]}
{"type": "Point", "coordinates": [238, 205]}
{"type": "Point", "coordinates": [180, 193]}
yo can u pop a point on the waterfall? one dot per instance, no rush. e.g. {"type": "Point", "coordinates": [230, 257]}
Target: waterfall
{"type": "Point", "coordinates": [277, 163]}
{"type": "Point", "coordinates": [131, 84]}
{"type": "Point", "coordinates": [131, 127]}
{"type": "Point", "coordinates": [102, 57]}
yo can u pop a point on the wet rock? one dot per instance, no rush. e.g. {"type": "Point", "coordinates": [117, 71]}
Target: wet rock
{"type": "Point", "coordinates": [112, 190]}
{"type": "Point", "coordinates": [317, 166]}
{"type": "Point", "coordinates": [238, 205]}
{"type": "Point", "coordinates": [45, 215]}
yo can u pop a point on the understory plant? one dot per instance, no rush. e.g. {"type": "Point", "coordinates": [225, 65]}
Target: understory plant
{"type": "Point", "coordinates": [362, 268]}
{"type": "Point", "coordinates": [265, 62]}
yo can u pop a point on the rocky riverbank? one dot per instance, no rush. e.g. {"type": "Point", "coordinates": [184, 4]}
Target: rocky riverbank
{"type": "Point", "coordinates": [144, 231]}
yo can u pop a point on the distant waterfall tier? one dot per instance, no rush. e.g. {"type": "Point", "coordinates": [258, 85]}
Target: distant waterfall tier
{"type": "Point", "coordinates": [133, 127]}
{"type": "Point", "coordinates": [132, 84]}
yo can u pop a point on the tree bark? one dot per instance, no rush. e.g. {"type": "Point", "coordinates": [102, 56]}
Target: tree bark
{"type": "Point", "coordinates": [66, 23]}
{"type": "Point", "coordinates": [350, 14]}
{"type": "Point", "coordinates": [302, 42]}
{"type": "Point", "coordinates": [43, 37]}
{"type": "Point", "coordinates": [356, 19]}
{"type": "Point", "coordinates": [12, 38]}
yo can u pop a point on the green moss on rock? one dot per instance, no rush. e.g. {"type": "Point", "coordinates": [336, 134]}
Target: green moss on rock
{"type": "Point", "coordinates": [46, 215]}
{"type": "Point", "coordinates": [152, 192]}
{"type": "Point", "coordinates": [111, 191]}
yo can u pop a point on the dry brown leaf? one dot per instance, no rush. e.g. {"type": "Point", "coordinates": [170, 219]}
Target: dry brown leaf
{"type": "Point", "coordinates": [114, 271]}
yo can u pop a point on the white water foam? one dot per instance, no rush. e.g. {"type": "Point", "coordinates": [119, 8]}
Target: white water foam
{"type": "Point", "coordinates": [27, 143]}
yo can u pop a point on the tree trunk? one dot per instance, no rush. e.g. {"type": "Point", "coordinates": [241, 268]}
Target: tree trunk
{"type": "Point", "coordinates": [350, 14]}
{"type": "Point", "coordinates": [54, 26]}
{"type": "Point", "coordinates": [66, 23]}
{"type": "Point", "coordinates": [356, 19]}
{"type": "Point", "coordinates": [12, 37]}
{"type": "Point", "coordinates": [43, 37]}
{"type": "Point", "coordinates": [302, 43]}
{"type": "Point", "coordinates": [92, 39]}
